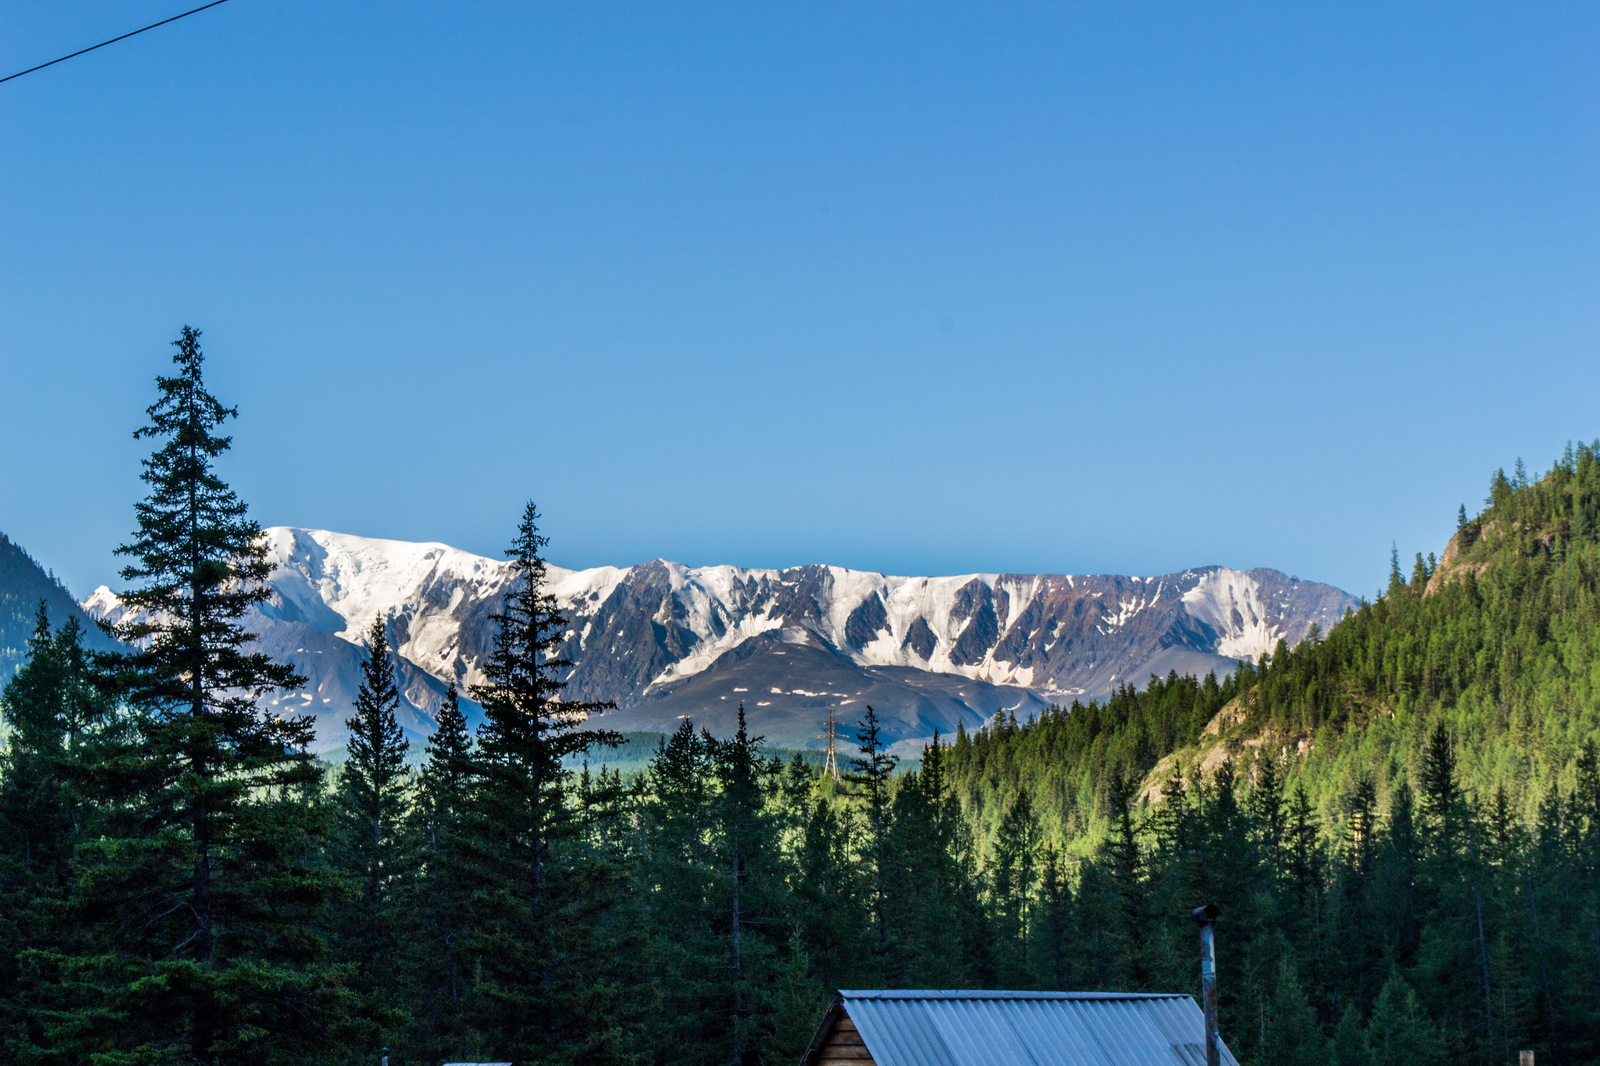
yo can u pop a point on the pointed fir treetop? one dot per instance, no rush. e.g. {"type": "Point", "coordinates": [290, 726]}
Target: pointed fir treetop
{"type": "Point", "coordinates": [41, 629]}
{"type": "Point", "coordinates": [199, 561]}
{"type": "Point", "coordinates": [741, 766]}
{"type": "Point", "coordinates": [522, 696]}
{"type": "Point", "coordinates": [376, 750]}
{"type": "Point", "coordinates": [931, 775]}
{"type": "Point", "coordinates": [448, 751]}
{"type": "Point", "coordinates": [1443, 803]}
{"type": "Point", "coordinates": [1397, 580]}
{"type": "Point", "coordinates": [874, 765]}
{"type": "Point", "coordinates": [186, 495]}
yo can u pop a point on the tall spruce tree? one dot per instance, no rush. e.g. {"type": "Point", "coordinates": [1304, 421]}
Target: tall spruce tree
{"type": "Point", "coordinates": [960, 952]}
{"type": "Point", "coordinates": [444, 888]}
{"type": "Point", "coordinates": [375, 849]}
{"type": "Point", "coordinates": [871, 772]}
{"type": "Point", "coordinates": [1444, 824]}
{"type": "Point", "coordinates": [938, 936]}
{"type": "Point", "coordinates": [1015, 873]}
{"type": "Point", "coordinates": [767, 1004]}
{"type": "Point", "coordinates": [678, 876]}
{"type": "Point", "coordinates": [1306, 868]}
{"type": "Point", "coordinates": [541, 990]}
{"type": "Point", "coordinates": [1124, 865]}
{"type": "Point", "coordinates": [1051, 954]}
{"type": "Point", "coordinates": [200, 896]}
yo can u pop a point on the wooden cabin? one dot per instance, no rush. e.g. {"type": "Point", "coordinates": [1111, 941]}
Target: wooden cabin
{"type": "Point", "coordinates": [987, 1028]}
{"type": "Point", "coordinates": [840, 1042]}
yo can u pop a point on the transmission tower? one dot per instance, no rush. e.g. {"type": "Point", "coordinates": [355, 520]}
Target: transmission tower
{"type": "Point", "coordinates": [832, 737]}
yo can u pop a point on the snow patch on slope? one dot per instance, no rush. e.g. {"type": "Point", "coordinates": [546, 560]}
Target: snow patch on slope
{"type": "Point", "coordinates": [1230, 602]}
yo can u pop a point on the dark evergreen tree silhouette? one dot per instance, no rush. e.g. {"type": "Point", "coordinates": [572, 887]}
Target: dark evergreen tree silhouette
{"type": "Point", "coordinates": [202, 895]}
{"type": "Point", "coordinates": [1014, 877]}
{"type": "Point", "coordinates": [537, 990]}
{"type": "Point", "coordinates": [679, 877]}
{"type": "Point", "coordinates": [871, 773]}
{"type": "Point", "coordinates": [375, 849]}
{"type": "Point", "coordinates": [443, 890]}
{"type": "Point", "coordinates": [770, 1003]}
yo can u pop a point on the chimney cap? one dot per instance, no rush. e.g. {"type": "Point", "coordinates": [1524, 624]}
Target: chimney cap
{"type": "Point", "coordinates": [1207, 913]}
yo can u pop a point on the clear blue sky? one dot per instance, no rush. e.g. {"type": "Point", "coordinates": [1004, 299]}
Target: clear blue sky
{"type": "Point", "coordinates": [908, 287]}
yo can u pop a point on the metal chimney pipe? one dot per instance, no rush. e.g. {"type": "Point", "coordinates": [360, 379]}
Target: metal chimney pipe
{"type": "Point", "coordinates": [1205, 917]}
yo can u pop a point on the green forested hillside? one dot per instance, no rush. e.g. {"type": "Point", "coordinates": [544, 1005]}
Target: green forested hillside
{"type": "Point", "coordinates": [24, 584]}
{"type": "Point", "coordinates": [1403, 815]}
{"type": "Point", "coordinates": [1500, 641]}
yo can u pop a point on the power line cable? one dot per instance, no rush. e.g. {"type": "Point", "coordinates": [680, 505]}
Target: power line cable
{"type": "Point", "coordinates": [113, 40]}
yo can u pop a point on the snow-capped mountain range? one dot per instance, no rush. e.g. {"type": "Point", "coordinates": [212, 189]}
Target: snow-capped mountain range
{"type": "Point", "coordinates": [665, 641]}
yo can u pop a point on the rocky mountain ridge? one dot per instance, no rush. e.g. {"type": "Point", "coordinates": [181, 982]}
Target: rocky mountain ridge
{"type": "Point", "coordinates": [664, 640]}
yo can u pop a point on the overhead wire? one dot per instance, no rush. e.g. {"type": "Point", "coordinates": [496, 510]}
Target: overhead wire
{"type": "Point", "coordinates": [114, 40]}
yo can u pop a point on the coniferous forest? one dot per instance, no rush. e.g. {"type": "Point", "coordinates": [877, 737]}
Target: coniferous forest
{"type": "Point", "coordinates": [1400, 820]}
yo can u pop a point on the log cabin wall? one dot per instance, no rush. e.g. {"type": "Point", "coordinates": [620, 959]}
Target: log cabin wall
{"type": "Point", "coordinates": [844, 1046]}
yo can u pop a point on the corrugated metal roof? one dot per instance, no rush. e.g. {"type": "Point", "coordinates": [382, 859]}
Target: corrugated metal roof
{"type": "Point", "coordinates": [924, 1027]}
